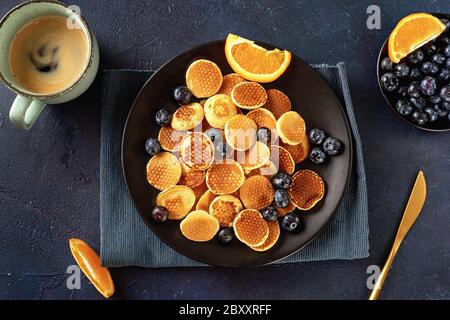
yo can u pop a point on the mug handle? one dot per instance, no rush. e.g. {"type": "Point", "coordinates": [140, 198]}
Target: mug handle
{"type": "Point", "coordinates": [25, 111]}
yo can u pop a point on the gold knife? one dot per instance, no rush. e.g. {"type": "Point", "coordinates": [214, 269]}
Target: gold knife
{"type": "Point", "coordinates": [412, 211]}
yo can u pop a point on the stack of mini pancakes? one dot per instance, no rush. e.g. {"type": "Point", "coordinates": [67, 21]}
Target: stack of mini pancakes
{"type": "Point", "coordinates": [208, 192]}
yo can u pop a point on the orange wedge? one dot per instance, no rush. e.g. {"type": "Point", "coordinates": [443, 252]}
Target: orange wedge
{"type": "Point", "coordinates": [253, 62]}
{"type": "Point", "coordinates": [89, 262]}
{"type": "Point", "coordinates": [412, 32]}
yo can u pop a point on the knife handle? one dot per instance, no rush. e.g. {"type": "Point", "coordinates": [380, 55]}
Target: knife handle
{"type": "Point", "coordinates": [384, 273]}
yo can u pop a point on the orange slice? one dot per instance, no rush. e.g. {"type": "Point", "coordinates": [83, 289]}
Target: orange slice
{"type": "Point", "coordinates": [89, 262]}
{"type": "Point", "coordinates": [253, 62]}
{"type": "Point", "coordinates": [412, 32]}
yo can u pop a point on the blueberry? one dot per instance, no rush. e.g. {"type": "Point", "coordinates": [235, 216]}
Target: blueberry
{"type": "Point", "coordinates": [446, 22]}
{"type": "Point", "coordinates": [386, 64]}
{"type": "Point", "coordinates": [221, 151]}
{"type": "Point", "coordinates": [160, 214]}
{"type": "Point", "coordinates": [389, 82]}
{"type": "Point", "coordinates": [332, 146]}
{"type": "Point", "coordinates": [401, 70]}
{"type": "Point", "coordinates": [182, 95]}
{"type": "Point", "coordinates": [416, 57]}
{"type": "Point", "coordinates": [445, 40]}
{"type": "Point", "coordinates": [439, 58]}
{"type": "Point", "coordinates": [317, 155]}
{"type": "Point", "coordinates": [444, 75]}
{"type": "Point", "coordinates": [441, 110]}
{"type": "Point", "coordinates": [445, 93]}
{"type": "Point", "coordinates": [419, 102]}
{"type": "Point", "coordinates": [264, 135]}
{"type": "Point", "coordinates": [281, 180]}
{"type": "Point", "coordinates": [415, 73]}
{"type": "Point", "coordinates": [447, 51]}
{"type": "Point", "coordinates": [447, 63]}
{"type": "Point", "coordinates": [435, 99]}
{"type": "Point", "coordinates": [291, 222]}
{"type": "Point", "coordinates": [152, 146]}
{"type": "Point", "coordinates": [414, 89]}
{"type": "Point", "coordinates": [269, 213]}
{"type": "Point", "coordinates": [420, 118]}
{"type": "Point", "coordinates": [317, 136]}
{"type": "Point", "coordinates": [434, 68]}
{"type": "Point", "coordinates": [432, 114]}
{"type": "Point", "coordinates": [163, 117]}
{"type": "Point", "coordinates": [403, 91]}
{"type": "Point", "coordinates": [214, 134]}
{"type": "Point", "coordinates": [225, 236]}
{"type": "Point", "coordinates": [445, 105]}
{"type": "Point", "coordinates": [430, 48]}
{"type": "Point", "coordinates": [281, 198]}
{"type": "Point", "coordinates": [429, 67]}
{"type": "Point", "coordinates": [404, 107]}
{"type": "Point", "coordinates": [428, 86]}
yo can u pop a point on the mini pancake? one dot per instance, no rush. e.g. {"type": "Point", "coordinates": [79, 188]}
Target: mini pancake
{"type": "Point", "coordinates": [197, 151]}
{"type": "Point", "coordinates": [249, 95]}
{"type": "Point", "coordinates": [178, 200]}
{"type": "Point", "coordinates": [163, 170]}
{"type": "Point", "coordinates": [277, 102]}
{"type": "Point", "coordinates": [203, 78]}
{"type": "Point", "coordinates": [225, 178]}
{"type": "Point", "coordinates": [263, 118]}
{"type": "Point", "coordinates": [256, 192]}
{"type": "Point", "coordinates": [306, 190]}
{"type": "Point", "coordinates": [274, 235]}
{"type": "Point", "coordinates": [205, 200]}
{"type": "Point", "coordinates": [255, 157]}
{"type": "Point", "coordinates": [188, 117]}
{"type": "Point", "coordinates": [199, 226]}
{"type": "Point", "coordinates": [170, 138]}
{"type": "Point", "coordinates": [218, 109]}
{"type": "Point", "coordinates": [225, 208]}
{"type": "Point", "coordinates": [190, 177]}
{"type": "Point", "coordinates": [284, 211]}
{"type": "Point", "coordinates": [229, 82]}
{"type": "Point", "coordinates": [291, 128]}
{"type": "Point", "coordinates": [251, 228]}
{"type": "Point", "coordinates": [240, 132]}
{"type": "Point", "coordinates": [268, 170]}
{"type": "Point", "coordinates": [282, 159]}
{"type": "Point", "coordinates": [299, 152]}
{"type": "Point", "coordinates": [199, 192]}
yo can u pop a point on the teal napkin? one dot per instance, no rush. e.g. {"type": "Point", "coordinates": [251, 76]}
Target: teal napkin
{"type": "Point", "coordinates": [126, 240]}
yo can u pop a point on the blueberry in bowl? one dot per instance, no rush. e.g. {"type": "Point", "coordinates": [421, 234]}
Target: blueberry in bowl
{"type": "Point", "coordinates": [417, 87]}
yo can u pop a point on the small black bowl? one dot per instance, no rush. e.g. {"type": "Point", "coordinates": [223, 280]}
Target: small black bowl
{"type": "Point", "coordinates": [441, 125]}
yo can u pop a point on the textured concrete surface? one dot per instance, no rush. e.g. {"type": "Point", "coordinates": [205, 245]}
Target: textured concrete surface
{"type": "Point", "coordinates": [49, 175]}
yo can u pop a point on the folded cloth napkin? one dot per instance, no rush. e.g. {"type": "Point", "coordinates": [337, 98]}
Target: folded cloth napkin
{"type": "Point", "coordinates": [126, 240]}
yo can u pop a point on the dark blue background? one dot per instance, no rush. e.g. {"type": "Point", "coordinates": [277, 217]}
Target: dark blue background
{"type": "Point", "coordinates": [49, 189]}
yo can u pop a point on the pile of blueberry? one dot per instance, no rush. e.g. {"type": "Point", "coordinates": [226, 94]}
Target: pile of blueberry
{"type": "Point", "coordinates": [419, 86]}
{"type": "Point", "coordinates": [324, 146]}
{"type": "Point", "coordinates": [290, 222]}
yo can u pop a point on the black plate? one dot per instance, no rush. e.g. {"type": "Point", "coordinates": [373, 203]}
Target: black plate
{"type": "Point", "coordinates": [440, 125]}
{"type": "Point", "coordinates": [312, 98]}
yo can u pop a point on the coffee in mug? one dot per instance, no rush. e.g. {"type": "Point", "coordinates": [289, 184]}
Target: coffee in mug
{"type": "Point", "coordinates": [46, 56]}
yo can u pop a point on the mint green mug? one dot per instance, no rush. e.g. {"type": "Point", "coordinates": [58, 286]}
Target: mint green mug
{"type": "Point", "coordinates": [28, 105]}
